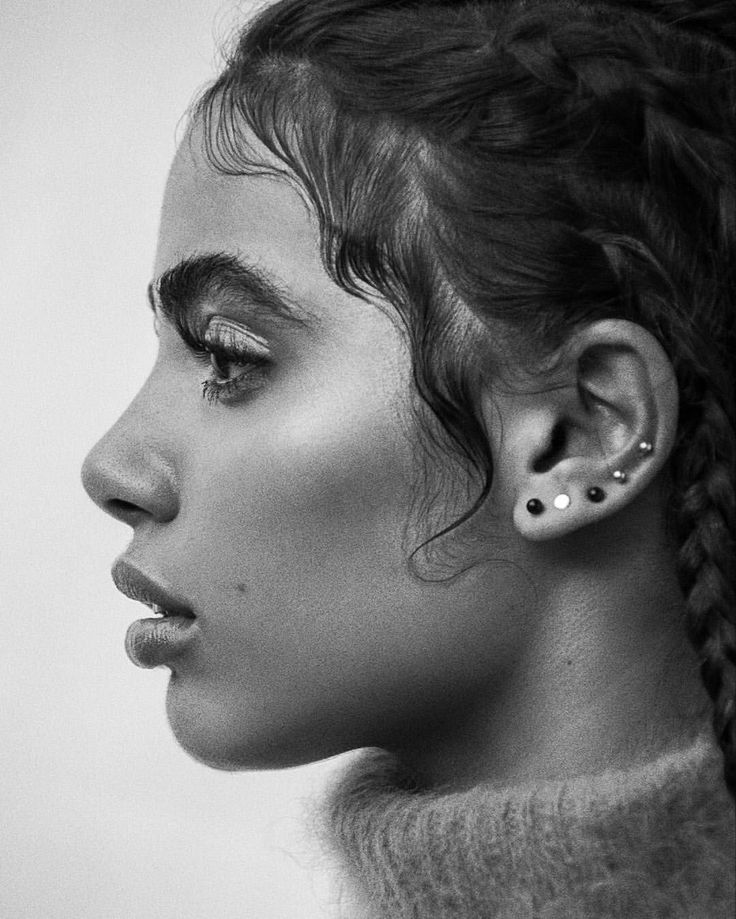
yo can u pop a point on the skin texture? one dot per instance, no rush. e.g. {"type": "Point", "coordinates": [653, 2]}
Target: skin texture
{"type": "Point", "coordinates": [284, 519]}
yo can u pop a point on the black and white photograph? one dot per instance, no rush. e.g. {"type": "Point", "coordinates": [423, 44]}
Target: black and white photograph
{"type": "Point", "coordinates": [369, 459]}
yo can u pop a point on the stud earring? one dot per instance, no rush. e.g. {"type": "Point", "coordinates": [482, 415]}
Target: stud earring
{"type": "Point", "coordinates": [620, 476]}
{"type": "Point", "coordinates": [595, 494]}
{"type": "Point", "coordinates": [645, 447]}
{"type": "Point", "coordinates": [535, 507]}
{"type": "Point", "coordinates": [562, 502]}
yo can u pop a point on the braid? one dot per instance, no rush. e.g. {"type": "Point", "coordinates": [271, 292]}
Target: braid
{"type": "Point", "coordinates": [703, 465]}
{"type": "Point", "coordinates": [705, 521]}
{"type": "Point", "coordinates": [713, 19]}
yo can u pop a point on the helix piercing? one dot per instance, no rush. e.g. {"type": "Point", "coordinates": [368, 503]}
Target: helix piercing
{"type": "Point", "coordinates": [645, 447]}
{"type": "Point", "coordinates": [535, 507]}
{"type": "Point", "coordinates": [595, 494]}
{"type": "Point", "coordinates": [561, 502]}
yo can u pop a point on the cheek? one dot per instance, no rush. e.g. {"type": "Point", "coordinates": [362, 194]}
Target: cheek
{"type": "Point", "coordinates": [327, 467]}
{"type": "Point", "coordinates": [296, 528]}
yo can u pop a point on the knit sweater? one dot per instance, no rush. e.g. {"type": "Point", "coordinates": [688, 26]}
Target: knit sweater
{"type": "Point", "coordinates": [649, 842]}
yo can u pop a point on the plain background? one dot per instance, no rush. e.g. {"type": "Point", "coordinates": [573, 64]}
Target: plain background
{"type": "Point", "coordinates": [102, 815]}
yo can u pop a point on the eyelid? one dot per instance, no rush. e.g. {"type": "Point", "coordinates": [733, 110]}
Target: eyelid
{"type": "Point", "coordinates": [234, 338]}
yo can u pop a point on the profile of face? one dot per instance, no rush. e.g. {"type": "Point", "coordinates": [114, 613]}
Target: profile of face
{"type": "Point", "coordinates": [278, 510]}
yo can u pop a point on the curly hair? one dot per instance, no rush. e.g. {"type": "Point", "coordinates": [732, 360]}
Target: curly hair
{"type": "Point", "coordinates": [507, 171]}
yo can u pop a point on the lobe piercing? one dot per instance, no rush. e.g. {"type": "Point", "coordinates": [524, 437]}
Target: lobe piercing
{"type": "Point", "coordinates": [596, 494]}
{"type": "Point", "coordinates": [645, 447]}
{"type": "Point", "coordinates": [561, 502]}
{"type": "Point", "coordinates": [535, 507]}
{"type": "Point", "coordinates": [620, 476]}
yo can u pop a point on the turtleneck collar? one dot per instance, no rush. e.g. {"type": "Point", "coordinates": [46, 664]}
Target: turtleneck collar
{"type": "Point", "coordinates": [653, 841]}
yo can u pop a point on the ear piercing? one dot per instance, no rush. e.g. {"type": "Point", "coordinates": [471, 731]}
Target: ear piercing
{"type": "Point", "coordinates": [563, 501]}
{"type": "Point", "coordinates": [644, 448]}
{"type": "Point", "coordinates": [595, 493]}
{"type": "Point", "coordinates": [536, 507]}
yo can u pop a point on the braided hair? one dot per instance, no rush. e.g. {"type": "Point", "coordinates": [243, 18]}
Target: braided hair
{"type": "Point", "coordinates": [525, 166]}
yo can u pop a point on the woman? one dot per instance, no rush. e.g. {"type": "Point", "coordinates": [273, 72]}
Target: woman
{"type": "Point", "coordinates": [459, 279]}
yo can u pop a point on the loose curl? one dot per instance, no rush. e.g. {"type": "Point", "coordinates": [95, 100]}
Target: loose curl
{"type": "Point", "coordinates": [507, 171]}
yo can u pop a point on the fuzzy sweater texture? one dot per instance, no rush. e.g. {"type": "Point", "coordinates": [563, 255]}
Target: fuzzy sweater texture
{"type": "Point", "coordinates": [651, 842]}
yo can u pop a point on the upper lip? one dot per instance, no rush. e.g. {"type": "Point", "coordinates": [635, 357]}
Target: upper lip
{"type": "Point", "coordinates": [132, 582]}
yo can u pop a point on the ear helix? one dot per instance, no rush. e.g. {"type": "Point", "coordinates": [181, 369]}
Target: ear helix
{"type": "Point", "coordinates": [595, 494]}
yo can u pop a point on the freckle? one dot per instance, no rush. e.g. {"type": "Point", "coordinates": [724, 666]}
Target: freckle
{"type": "Point", "coordinates": [241, 588]}
{"type": "Point", "coordinates": [568, 663]}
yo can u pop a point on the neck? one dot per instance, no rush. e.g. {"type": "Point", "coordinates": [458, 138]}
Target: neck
{"type": "Point", "coordinates": [606, 678]}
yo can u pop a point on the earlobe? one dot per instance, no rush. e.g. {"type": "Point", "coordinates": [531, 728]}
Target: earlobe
{"type": "Point", "coordinates": [608, 412]}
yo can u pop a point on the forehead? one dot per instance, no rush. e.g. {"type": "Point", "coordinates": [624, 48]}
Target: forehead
{"type": "Point", "coordinates": [262, 219]}
{"type": "Point", "coordinates": [264, 222]}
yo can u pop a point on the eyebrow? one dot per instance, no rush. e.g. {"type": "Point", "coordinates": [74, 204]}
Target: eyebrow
{"type": "Point", "coordinates": [180, 290]}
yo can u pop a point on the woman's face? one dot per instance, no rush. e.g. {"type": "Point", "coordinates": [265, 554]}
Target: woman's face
{"type": "Point", "coordinates": [278, 508]}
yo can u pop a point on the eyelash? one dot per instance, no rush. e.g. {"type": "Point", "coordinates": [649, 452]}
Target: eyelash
{"type": "Point", "coordinates": [221, 345]}
{"type": "Point", "coordinates": [214, 390]}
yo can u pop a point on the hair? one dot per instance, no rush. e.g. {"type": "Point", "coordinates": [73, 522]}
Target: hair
{"type": "Point", "coordinates": [507, 171]}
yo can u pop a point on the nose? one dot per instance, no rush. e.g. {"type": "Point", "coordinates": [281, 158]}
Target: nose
{"type": "Point", "coordinates": [130, 472]}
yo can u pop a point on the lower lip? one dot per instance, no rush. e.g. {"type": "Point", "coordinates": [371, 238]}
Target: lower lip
{"type": "Point", "coordinates": [152, 642]}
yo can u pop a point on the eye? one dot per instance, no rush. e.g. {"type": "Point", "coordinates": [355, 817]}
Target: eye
{"type": "Point", "coordinates": [223, 366]}
{"type": "Point", "coordinates": [238, 360]}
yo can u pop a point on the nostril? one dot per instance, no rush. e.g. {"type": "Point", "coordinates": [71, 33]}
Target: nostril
{"type": "Point", "coordinates": [122, 510]}
{"type": "Point", "coordinates": [125, 507]}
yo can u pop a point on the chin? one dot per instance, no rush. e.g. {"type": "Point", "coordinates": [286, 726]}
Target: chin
{"type": "Point", "coordinates": [234, 742]}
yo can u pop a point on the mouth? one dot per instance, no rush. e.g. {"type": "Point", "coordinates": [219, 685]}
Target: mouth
{"type": "Point", "coordinates": [161, 600]}
{"type": "Point", "coordinates": [167, 637]}
{"type": "Point", "coordinates": [166, 613]}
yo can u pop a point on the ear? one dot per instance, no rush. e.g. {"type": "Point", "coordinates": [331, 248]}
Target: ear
{"type": "Point", "coordinates": [581, 438]}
